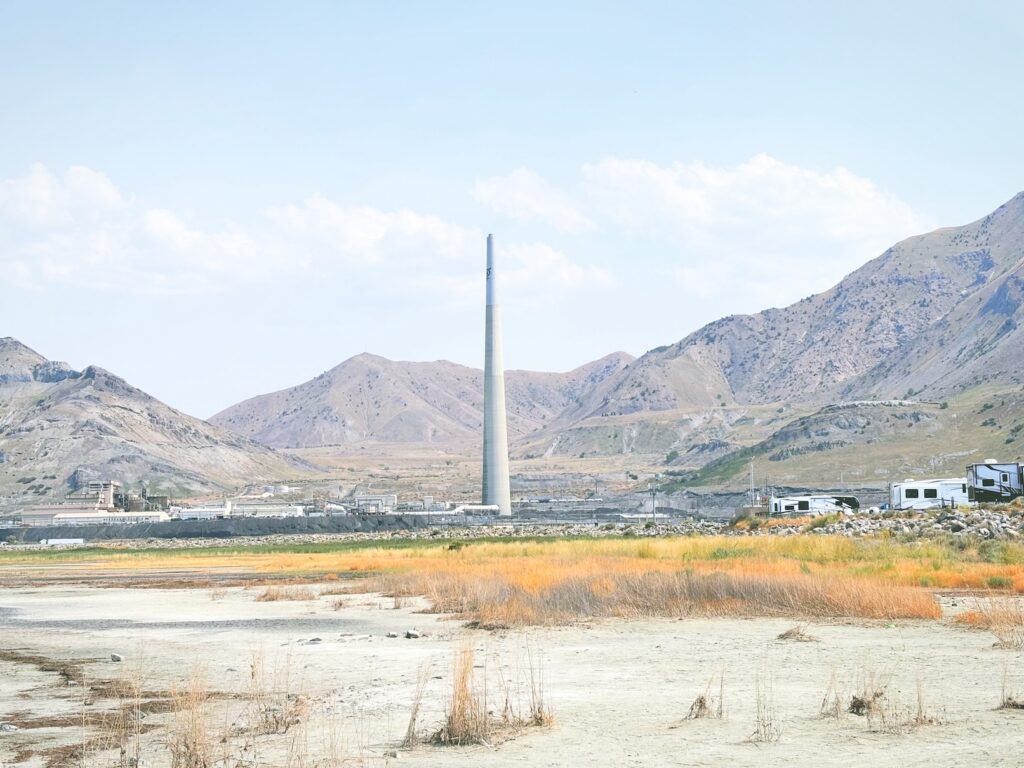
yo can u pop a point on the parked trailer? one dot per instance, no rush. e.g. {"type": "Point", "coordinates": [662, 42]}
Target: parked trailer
{"type": "Point", "coordinates": [926, 494]}
{"type": "Point", "coordinates": [812, 505]}
{"type": "Point", "coordinates": [993, 481]}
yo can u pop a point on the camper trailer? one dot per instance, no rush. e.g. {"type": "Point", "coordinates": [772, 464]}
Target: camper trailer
{"type": "Point", "coordinates": [995, 482]}
{"type": "Point", "coordinates": [926, 494]}
{"type": "Point", "coordinates": [812, 505]}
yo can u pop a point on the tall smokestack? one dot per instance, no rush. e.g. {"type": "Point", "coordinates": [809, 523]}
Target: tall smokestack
{"type": "Point", "coordinates": [496, 485]}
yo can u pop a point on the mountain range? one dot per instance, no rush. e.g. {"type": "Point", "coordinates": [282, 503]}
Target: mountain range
{"type": "Point", "coordinates": [59, 426]}
{"type": "Point", "coordinates": [371, 398]}
{"type": "Point", "coordinates": [923, 343]}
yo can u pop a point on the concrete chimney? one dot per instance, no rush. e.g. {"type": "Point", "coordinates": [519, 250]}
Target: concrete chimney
{"type": "Point", "coordinates": [496, 484]}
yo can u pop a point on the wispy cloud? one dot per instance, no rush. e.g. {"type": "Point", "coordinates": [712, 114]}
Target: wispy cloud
{"type": "Point", "coordinates": [80, 229]}
{"type": "Point", "coordinates": [761, 227]}
{"type": "Point", "coordinates": [524, 196]}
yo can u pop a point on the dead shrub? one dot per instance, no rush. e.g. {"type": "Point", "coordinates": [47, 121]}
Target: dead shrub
{"type": "Point", "coordinates": [882, 708]}
{"type": "Point", "coordinates": [705, 705]}
{"type": "Point", "coordinates": [798, 634]}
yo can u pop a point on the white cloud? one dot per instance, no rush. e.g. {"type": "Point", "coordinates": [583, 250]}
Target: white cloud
{"type": "Point", "coordinates": [369, 234]}
{"type": "Point", "coordinates": [538, 266]}
{"type": "Point", "coordinates": [41, 199]}
{"type": "Point", "coordinates": [80, 230]}
{"type": "Point", "coordinates": [524, 196]}
{"type": "Point", "coordinates": [770, 231]}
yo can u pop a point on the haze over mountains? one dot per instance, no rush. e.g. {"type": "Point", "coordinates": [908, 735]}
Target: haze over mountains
{"type": "Point", "coordinates": [935, 318]}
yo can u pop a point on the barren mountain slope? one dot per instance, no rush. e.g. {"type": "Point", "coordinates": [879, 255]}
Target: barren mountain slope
{"type": "Point", "coordinates": [980, 340]}
{"type": "Point", "coordinates": [55, 422]}
{"type": "Point", "coordinates": [952, 285]}
{"type": "Point", "coordinates": [371, 398]}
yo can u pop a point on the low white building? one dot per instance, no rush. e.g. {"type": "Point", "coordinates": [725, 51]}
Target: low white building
{"type": "Point", "coordinates": [239, 509]}
{"type": "Point", "coordinates": [201, 513]}
{"type": "Point", "coordinates": [103, 517]}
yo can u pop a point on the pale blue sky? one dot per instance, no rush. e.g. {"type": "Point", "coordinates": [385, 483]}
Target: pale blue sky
{"type": "Point", "coordinates": [215, 200]}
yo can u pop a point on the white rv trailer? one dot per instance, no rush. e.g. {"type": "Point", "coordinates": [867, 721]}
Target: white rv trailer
{"type": "Point", "coordinates": [812, 505]}
{"type": "Point", "coordinates": [926, 494]}
{"type": "Point", "coordinates": [995, 481]}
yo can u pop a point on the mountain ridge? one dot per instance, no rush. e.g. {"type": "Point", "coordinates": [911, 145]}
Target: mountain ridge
{"type": "Point", "coordinates": [368, 397]}
{"type": "Point", "coordinates": [58, 425]}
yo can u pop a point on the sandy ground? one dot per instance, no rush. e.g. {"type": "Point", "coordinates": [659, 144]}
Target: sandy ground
{"type": "Point", "coordinates": [619, 690]}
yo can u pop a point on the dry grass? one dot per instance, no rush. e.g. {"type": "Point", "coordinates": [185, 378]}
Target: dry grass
{"type": "Point", "coordinates": [466, 718]}
{"type": "Point", "coordinates": [335, 589]}
{"type": "Point", "coordinates": [470, 716]}
{"type": "Point", "coordinates": [275, 594]}
{"type": "Point", "coordinates": [516, 582]}
{"type": "Point", "coordinates": [831, 703]}
{"type": "Point", "coordinates": [411, 737]}
{"type": "Point", "coordinates": [1002, 616]}
{"type": "Point", "coordinates": [560, 595]}
{"type": "Point", "coordinates": [766, 724]}
{"type": "Point", "coordinates": [189, 738]}
{"type": "Point", "coordinates": [273, 707]}
{"type": "Point", "coordinates": [1008, 699]}
{"type": "Point", "coordinates": [938, 564]}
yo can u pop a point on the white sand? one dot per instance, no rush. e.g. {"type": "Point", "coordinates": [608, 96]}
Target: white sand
{"type": "Point", "coordinates": [617, 688]}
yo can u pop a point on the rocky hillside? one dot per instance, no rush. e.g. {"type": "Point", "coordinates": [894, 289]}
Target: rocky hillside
{"type": "Point", "coordinates": [56, 422]}
{"type": "Point", "coordinates": [371, 398]}
{"type": "Point", "coordinates": [935, 313]}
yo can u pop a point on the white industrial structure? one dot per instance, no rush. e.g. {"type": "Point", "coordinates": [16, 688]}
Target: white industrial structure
{"type": "Point", "coordinates": [92, 504]}
{"type": "Point", "coordinates": [376, 504]}
{"type": "Point", "coordinates": [926, 494]}
{"type": "Point", "coordinates": [496, 488]}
